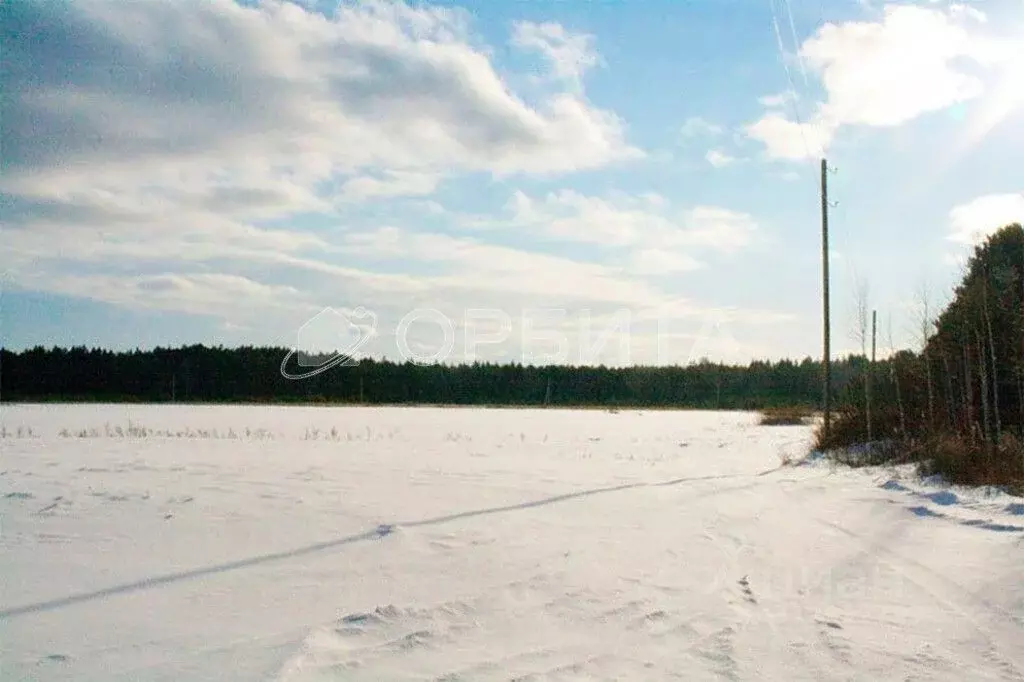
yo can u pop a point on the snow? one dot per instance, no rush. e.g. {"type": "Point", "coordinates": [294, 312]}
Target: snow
{"type": "Point", "coordinates": [315, 543]}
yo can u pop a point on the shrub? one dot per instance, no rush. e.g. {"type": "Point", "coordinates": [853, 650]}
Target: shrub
{"type": "Point", "coordinates": [849, 427]}
{"type": "Point", "coordinates": [963, 461]}
{"type": "Point", "coordinates": [786, 416]}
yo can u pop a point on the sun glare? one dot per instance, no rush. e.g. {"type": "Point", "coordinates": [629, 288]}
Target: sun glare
{"type": "Point", "coordinates": [1001, 100]}
{"type": "Point", "coordinates": [1005, 97]}
{"type": "Point", "coordinates": [1004, 91]}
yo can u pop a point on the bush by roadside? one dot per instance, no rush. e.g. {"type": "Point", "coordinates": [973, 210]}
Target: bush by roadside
{"type": "Point", "coordinates": [956, 458]}
{"type": "Point", "coordinates": [786, 416]}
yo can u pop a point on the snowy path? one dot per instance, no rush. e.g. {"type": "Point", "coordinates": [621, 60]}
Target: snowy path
{"type": "Point", "coordinates": [429, 544]}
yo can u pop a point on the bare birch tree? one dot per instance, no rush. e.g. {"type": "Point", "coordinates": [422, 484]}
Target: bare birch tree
{"type": "Point", "coordinates": [894, 375]}
{"type": "Point", "coordinates": [925, 323]}
{"type": "Point", "coordinates": [860, 334]}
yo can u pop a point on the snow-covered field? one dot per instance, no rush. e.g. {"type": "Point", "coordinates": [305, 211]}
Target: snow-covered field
{"type": "Point", "coordinates": [294, 543]}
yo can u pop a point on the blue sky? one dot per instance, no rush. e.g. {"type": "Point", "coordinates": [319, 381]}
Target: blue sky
{"type": "Point", "coordinates": [220, 173]}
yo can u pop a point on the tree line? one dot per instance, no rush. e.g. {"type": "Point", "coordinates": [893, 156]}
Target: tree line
{"type": "Point", "coordinates": [201, 373]}
{"type": "Point", "coordinates": [958, 405]}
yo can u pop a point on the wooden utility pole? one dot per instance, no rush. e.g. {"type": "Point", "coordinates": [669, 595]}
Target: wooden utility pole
{"type": "Point", "coordinates": [827, 336]}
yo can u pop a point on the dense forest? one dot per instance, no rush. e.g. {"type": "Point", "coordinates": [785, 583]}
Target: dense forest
{"type": "Point", "coordinates": [957, 406]}
{"type": "Point", "coordinates": [248, 374]}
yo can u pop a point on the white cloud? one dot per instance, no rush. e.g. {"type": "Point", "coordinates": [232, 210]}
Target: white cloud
{"type": "Point", "coordinates": [970, 223]}
{"type": "Point", "coordinates": [273, 88]}
{"type": "Point", "coordinates": [887, 73]}
{"type": "Point", "coordinates": [569, 55]}
{"type": "Point", "coordinates": [784, 139]}
{"type": "Point", "coordinates": [955, 260]}
{"type": "Point", "coordinates": [716, 227]}
{"type": "Point", "coordinates": [174, 136]}
{"type": "Point", "coordinates": [94, 227]}
{"type": "Point", "coordinates": [718, 158]}
{"type": "Point", "coordinates": [629, 223]}
{"type": "Point", "coordinates": [389, 185]}
{"type": "Point", "coordinates": [654, 199]}
{"type": "Point", "coordinates": [662, 262]}
{"type": "Point", "coordinates": [205, 158]}
{"type": "Point", "coordinates": [570, 216]}
{"type": "Point", "coordinates": [210, 294]}
{"type": "Point", "coordinates": [482, 269]}
{"type": "Point", "coordinates": [968, 12]}
{"type": "Point", "coordinates": [777, 101]}
{"type": "Point", "coordinates": [695, 126]}
{"type": "Point", "coordinates": [883, 73]}
{"type": "Point", "coordinates": [555, 295]}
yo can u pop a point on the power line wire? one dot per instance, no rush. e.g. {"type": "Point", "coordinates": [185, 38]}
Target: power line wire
{"type": "Point", "coordinates": [792, 34]}
{"type": "Point", "coordinates": [793, 94]}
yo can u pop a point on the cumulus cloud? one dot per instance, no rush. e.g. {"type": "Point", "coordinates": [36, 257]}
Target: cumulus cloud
{"type": "Point", "coordinates": [390, 184]}
{"type": "Point", "coordinates": [569, 55]}
{"type": "Point", "coordinates": [628, 222]}
{"type": "Point", "coordinates": [718, 158]}
{"type": "Point", "coordinates": [209, 294]}
{"type": "Point", "coordinates": [552, 298]}
{"type": "Point", "coordinates": [778, 100]}
{"type": "Point", "coordinates": [188, 132]}
{"type": "Point", "coordinates": [479, 267]}
{"type": "Point", "coordinates": [695, 126]}
{"type": "Point", "coordinates": [212, 157]}
{"type": "Point", "coordinates": [786, 139]}
{"type": "Point", "coordinates": [885, 73]}
{"type": "Point", "coordinates": [715, 227]}
{"type": "Point", "coordinates": [661, 262]}
{"type": "Point", "coordinates": [98, 86]}
{"type": "Point", "coordinates": [973, 221]}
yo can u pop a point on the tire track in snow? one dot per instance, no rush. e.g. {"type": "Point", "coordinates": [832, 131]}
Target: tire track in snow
{"type": "Point", "coordinates": [824, 636]}
{"type": "Point", "coordinates": [638, 622]}
{"type": "Point", "coordinates": [380, 531]}
{"type": "Point", "coordinates": [931, 582]}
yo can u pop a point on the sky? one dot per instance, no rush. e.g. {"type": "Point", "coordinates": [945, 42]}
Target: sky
{"type": "Point", "coordinates": [537, 181]}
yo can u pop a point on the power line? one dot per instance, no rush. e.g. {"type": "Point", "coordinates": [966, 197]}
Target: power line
{"type": "Point", "coordinates": [792, 34]}
{"type": "Point", "coordinates": [802, 122]}
{"type": "Point", "coordinates": [793, 96]}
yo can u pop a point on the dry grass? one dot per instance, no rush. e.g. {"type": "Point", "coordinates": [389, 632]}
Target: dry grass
{"type": "Point", "coordinates": [964, 462]}
{"type": "Point", "coordinates": [849, 428]}
{"type": "Point", "coordinates": [786, 416]}
{"type": "Point", "coordinates": [956, 458]}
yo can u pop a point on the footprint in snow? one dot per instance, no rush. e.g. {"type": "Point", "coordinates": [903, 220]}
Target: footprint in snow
{"type": "Point", "coordinates": [838, 647]}
{"type": "Point", "coordinates": [748, 594]}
